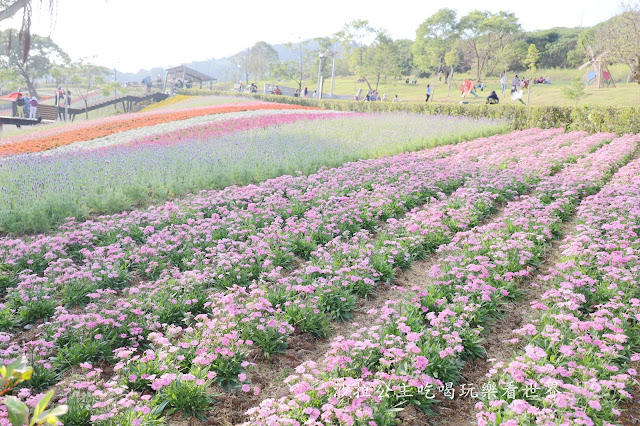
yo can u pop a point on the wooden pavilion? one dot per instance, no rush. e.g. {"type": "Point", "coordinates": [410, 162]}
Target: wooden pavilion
{"type": "Point", "coordinates": [185, 73]}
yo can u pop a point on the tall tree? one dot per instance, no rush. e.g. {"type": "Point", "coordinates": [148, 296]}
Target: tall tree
{"type": "Point", "coordinates": [262, 58]}
{"type": "Point", "coordinates": [382, 59]}
{"type": "Point", "coordinates": [404, 56]}
{"type": "Point", "coordinates": [620, 36]}
{"type": "Point", "coordinates": [87, 77]}
{"type": "Point", "coordinates": [484, 33]}
{"type": "Point", "coordinates": [355, 38]}
{"type": "Point", "coordinates": [9, 8]}
{"type": "Point", "coordinates": [300, 69]}
{"type": "Point", "coordinates": [44, 53]}
{"type": "Point", "coordinates": [434, 38]}
{"type": "Point", "coordinates": [241, 61]}
{"type": "Point", "coordinates": [531, 62]}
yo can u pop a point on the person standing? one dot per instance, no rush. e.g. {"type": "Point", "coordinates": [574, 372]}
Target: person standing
{"type": "Point", "coordinates": [33, 108]}
{"type": "Point", "coordinates": [515, 83]}
{"type": "Point", "coordinates": [428, 92]}
{"type": "Point", "coordinates": [25, 108]}
{"type": "Point", "coordinates": [305, 92]}
{"type": "Point", "coordinates": [67, 102]}
{"type": "Point", "coordinates": [503, 83]}
{"type": "Point", "coordinates": [19, 105]}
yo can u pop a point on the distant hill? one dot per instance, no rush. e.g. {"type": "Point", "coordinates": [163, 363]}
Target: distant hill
{"type": "Point", "coordinates": [222, 69]}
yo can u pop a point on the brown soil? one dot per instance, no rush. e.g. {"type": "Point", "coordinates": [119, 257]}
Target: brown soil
{"type": "Point", "coordinates": [631, 409]}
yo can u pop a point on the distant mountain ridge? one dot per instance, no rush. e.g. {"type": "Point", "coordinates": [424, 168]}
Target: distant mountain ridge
{"type": "Point", "coordinates": [222, 69]}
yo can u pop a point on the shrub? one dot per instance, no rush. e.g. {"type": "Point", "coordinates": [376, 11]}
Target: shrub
{"type": "Point", "coordinates": [592, 118]}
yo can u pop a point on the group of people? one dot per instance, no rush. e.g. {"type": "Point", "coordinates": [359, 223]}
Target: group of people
{"type": "Point", "coordinates": [542, 80]}
{"type": "Point", "coordinates": [27, 106]}
{"type": "Point", "coordinates": [273, 90]}
{"type": "Point", "coordinates": [414, 81]}
{"type": "Point", "coordinates": [371, 96]}
{"type": "Point", "coordinates": [302, 93]}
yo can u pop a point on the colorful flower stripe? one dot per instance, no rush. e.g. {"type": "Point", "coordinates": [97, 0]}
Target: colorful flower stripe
{"type": "Point", "coordinates": [454, 309]}
{"type": "Point", "coordinates": [100, 130]}
{"type": "Point", "coordinates": [575, 365]}
{"type": "Point", "coordinates": [98, 321]}
{"type": "Point", "coordinates": [43, 192]}
{"type": "Point", "coordinates": [237, 202]}
{"type": "Point", "coordinates": [167, 102]}
{"type": "Point", "coordinates": [223, 310]}
{"type": "Point", "coordinates": [200, 129]}
{"type": "Point", "coordinates": [61, 127]}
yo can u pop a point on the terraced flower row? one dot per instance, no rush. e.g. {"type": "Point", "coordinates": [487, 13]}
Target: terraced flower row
{"type": "Point", "coordinates": [575, 365]}
{"type": "Point", "coordinates": [38, 193]}
{"type": "Point", "coordinates": [238, 210]}
{"type": "Point", "coordinates": [416, 346]}
{"type": "Point", "coordinates": [93, 335]}
{"type": "Point", "coordinates": [108, 127]}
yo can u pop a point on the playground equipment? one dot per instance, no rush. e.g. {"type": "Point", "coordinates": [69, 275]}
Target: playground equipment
{"type": "Point", "coordinates": [467, 87]}
{"type": "Point", "coordinates": [599, 72]}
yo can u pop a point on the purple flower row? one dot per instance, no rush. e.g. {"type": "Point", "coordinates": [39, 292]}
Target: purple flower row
{"type": "Point", "coordinates": [577, 351]}
{"type": "Point", "coordinates": [453, 308]}
{"type": "Point", "coordinates": [115, 322]}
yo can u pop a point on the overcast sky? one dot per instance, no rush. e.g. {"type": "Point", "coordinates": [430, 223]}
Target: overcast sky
{"type": "Point", "coordinates": [136, 34]}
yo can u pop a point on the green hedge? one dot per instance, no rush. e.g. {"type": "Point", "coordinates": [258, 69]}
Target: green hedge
{"type": "Point", "coordinates": [588, 117]}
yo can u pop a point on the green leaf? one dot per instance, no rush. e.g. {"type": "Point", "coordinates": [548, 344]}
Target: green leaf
{"type": "Point", "coordinates": [26, 374]}
{"type": "Point", "coordinates": [18, 411]}
{"type": "Point", "coordinates": [51, 416]}
{"type": "Point", "coordinates": [160, 408]}
{"type": "Point", "coordinates": [42, 404]}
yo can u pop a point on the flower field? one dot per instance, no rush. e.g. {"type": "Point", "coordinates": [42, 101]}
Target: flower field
{"type": "Point", "coordinates": [235, 145]}
{"type": "Point", "coordinates": [277, 292]}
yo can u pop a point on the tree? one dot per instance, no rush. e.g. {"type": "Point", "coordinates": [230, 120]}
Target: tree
{"type": "Point", "coordinates": [620, 36]}
{"type": "Point", "coordinates": [43, 54]}
{"type": "Point", "coordinates": [87, 77]}
{"type": "Point", "coordinates": [241, 61]}
{"type": "Point", "coordinates": [530, 62]}
{"type": "Point", "coordinates": [8, 8]}
{"type": "Point", "coordinates": [452, 60]}
{"type": "Point", "coordinates": [555, 46]}
{"type": "Point", "coordinates": [484, 33]}
{"type": "Point", "coordinates": [299, 70]}
{"type": "Point", "coordinates": [381, 60]}
{"type": "Point", "coordinates": [512, 56]}
{"type": "Point", "coordinates": [434, 38]}
{"type": "Point", "coordinates": [262, 58]}
{"type": "Point", "coordinates": [404, 56]}
{"type": "Point", "coordinates": [9, 78]}
{"type": "Point", "coordinates": [356, 38]}
{"type": "Point", "coordinates": [574, 91]}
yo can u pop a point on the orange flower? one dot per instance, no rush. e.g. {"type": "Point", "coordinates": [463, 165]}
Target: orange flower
{"type": "Point", "coordinates": [106, 129]}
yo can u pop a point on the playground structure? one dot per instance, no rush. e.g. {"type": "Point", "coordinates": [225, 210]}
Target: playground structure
{"type": "Point", "coordinates": [599, 72]}
{"type": "Point", "coordinates": [468, 87]}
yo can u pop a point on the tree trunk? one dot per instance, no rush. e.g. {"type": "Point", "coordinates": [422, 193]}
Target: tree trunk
{"type": "Point", "coordinates": [636, 71]}
{"type": "Point", "coordinates": [32, 90]}
{"type": "Point", "coordinates": [478, 62]}
{"type": "Point", "coordinates": [86, 108]}
{"type": "Point", "coordinates": [367, 81]}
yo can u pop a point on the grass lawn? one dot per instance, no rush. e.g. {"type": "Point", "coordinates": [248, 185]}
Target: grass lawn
{"type": "Point", "coordinates": [624, 94]}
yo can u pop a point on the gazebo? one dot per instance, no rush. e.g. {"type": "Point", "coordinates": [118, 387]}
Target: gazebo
{"type": "Point", "coordinates": [185, 73]}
